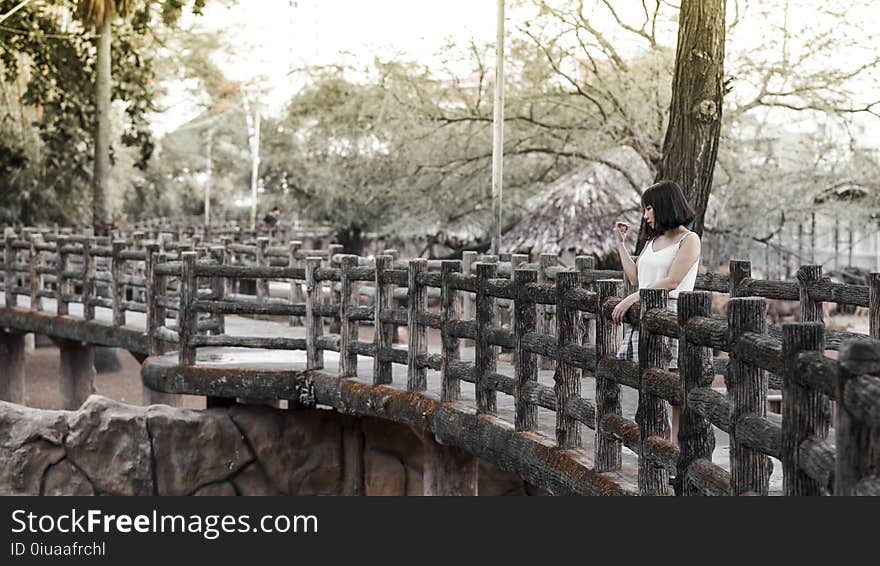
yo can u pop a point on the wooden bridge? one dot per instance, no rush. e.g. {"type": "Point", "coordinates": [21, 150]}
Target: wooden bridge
{"type": "Point", "coordinates": [320, 328]}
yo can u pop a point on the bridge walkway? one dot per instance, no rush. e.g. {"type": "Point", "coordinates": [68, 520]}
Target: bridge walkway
{"type": "Point", "coordinates": [132, 337]}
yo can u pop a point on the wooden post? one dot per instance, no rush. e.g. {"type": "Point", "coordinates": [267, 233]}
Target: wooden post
{"type": "Point", "coordinates": [546, 324]}
{"type": "Point", "coordinates": [156, 314]}
{"type": "Point", "coordinates": [61, 279]}
{"type": "Point", "coordinates": [88, 282]}
{"type": "Point", "coordinates": [395, 303]}
{"type": "Point", "coordinates": [12, 374]}
{"type": "Point", "coordinates": [515, 261]}
{"type": "Point", "coordinates": [335, 294]}
{"type": "Point", "coordinates": [492, 258]}
{"type": "Point", "coordinates": [651, 416]}
{"type": "Point", "coordinates": [36, 278]}
{"type": "Point", "coordinates": [262, 260]}
{"type": "Point", "coordinates": [747, 389]}
{"type": "Point", "coordinates": [587, 325]}
{"type": "Point", "coordinates": [417, 304]}
{"type": "Point", "coordinates": [696, 440]}
{"type": "Point", "coordinates": [811, 311]}
{"type": "Point", "coordinates": [608, 455]}
{"type": "Point", "coordinates": [187, 322]}
{"type": "Point", "coordinates": [856, 438]}
{"type": "Point", "coordinates": [151, 252]}
{"type": "Point", "coordinates": [155, 287]}
{"type": "Point", "coordinates": [348, 331]}
{"type": "Point", "coordinates": [739, 272]}
{"type": "Point", "coordinates": [468, 299]}
{"type": "Point", "coordinates": [485, 355]}
{"type": "Point", "coordinates": [296, 296]}
{"type": "Point", "coordinates": [117, 288]}
{"type": "Point", "coordinates": [567, 377]}
{"type": "Point", "coordinates": [314, 322]}
{"type": "Point", "coordinates": [874, 305]}
{"type": "Point", "coordinates": [806, 413]}
{"type": "Point", "coordinates": [448, 470]}
{"type": "Point", "coordinates": [525, 364]}
{"type": "Point", "coordinates": [77, 373]}
{"type": "Point", "coordinates": [383, 334]}
{"type": "Point", "coordinates": [218, 287]}
{"type": "Point", "coordinates": [230, 260]}
{"type": "Point", "coordinates": [450, 387]}
{"type": "Point", "coordinates": [8, 265]}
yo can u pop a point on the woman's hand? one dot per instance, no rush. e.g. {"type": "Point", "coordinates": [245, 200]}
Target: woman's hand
{"type": "Point", "coordinates": [619, 312]}
{"type": "Point", "coordinates": [621, 229]}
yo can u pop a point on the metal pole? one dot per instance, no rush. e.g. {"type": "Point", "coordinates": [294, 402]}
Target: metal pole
{"type": "Point", "coordinates": [209, 173]}
{"type": "Point", "coordinates": [253, 122]}
{"type": "Point", "coordinates": [255, 171]}
{"type": "Point", "coordinates": [498, 131]}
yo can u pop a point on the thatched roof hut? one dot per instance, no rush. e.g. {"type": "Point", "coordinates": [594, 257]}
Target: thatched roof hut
{"type": "Point", "coordinates": [576, 213]}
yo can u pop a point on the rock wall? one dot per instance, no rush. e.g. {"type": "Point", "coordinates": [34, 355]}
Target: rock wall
{"type": "Point", "coordinates": [108, 448]}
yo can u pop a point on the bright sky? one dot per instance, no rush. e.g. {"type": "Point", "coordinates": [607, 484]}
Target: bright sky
{"type": "Point", "coordinates": [272, 37]}
{"type": "Point", "coordinates": [281, 35]}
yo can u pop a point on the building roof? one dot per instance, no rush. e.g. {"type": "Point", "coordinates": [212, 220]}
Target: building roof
{"type": "Point", "coordinates": [577, 211]}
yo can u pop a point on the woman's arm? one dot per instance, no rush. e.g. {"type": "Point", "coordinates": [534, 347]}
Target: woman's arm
{"type": "Point", "coordinates": [621, 229]}
{"type": "Point", "coordinates": [688, 252]}
{"type": "Point", "coordinates": [619, 312]}
{"type": "Point", "coordinates": [629, 266]}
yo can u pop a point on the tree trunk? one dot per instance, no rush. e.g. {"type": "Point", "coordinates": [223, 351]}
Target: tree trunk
{"type": "Point", "coordinates": [101, 178]}
{"type": "Point", "coordinates": [691, 142]}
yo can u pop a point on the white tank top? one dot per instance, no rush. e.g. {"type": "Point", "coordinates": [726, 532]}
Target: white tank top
{"type": "Point", "coordinates": [655, 265]}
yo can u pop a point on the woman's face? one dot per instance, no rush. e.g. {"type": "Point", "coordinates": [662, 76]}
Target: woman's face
{"type": "Point", "coordinates": [649, 215]}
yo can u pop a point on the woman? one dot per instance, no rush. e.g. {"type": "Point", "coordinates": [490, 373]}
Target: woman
{"type": "Point", "coordinates": [669, 260]}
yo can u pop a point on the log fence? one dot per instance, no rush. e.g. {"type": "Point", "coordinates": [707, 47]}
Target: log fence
{"type": "Point", "coordinates": [504, 305]}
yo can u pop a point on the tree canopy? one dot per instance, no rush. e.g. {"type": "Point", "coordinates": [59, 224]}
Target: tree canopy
{"type": "Point", "coordinates": [47, 62]}
{"type": "Point", "coordinates": [398, 147]}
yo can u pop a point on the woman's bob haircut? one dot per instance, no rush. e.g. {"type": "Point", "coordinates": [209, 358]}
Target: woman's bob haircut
{"type": "Point", "coordinates": [671, 209]}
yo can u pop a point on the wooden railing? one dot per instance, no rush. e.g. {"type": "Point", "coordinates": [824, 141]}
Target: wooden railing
{"type": "Point", "coordinates": [536, 311]}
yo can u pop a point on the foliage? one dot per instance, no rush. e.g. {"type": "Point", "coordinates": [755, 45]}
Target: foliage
{"type": "Point", "coordinates": [803, 76]}
{"type": "Point", "coordinates": [47, 61]}
{"type": "Point", "coordinates": [397, 147]}
{"type": "Point", "coordinates": [174, 180]}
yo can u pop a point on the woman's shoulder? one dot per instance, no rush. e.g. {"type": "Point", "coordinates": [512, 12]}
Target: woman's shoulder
{"type": "Point", "coordinates": [690, 235]}
{"type": "Point", "coordinates": [691, 243]}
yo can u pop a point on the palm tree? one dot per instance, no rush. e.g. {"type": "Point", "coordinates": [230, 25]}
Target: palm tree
{"type": "Point", "coordinates": [100, 14]}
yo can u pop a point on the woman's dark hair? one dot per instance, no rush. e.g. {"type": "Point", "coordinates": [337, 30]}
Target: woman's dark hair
{"type": "Point", "coordinates": [671, 209]}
